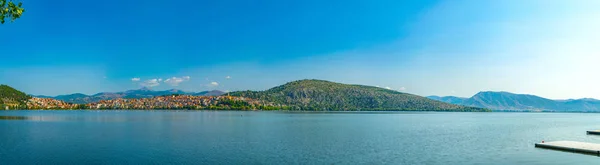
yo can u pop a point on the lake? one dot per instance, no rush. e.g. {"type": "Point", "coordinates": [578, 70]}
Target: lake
{"type": "Point", "coordinates": [236, 137]}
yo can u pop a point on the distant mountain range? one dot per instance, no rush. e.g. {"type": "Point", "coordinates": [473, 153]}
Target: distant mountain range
{"type": "Point", "coordinates": [79, 98]}
{"type": "Point", "coordinates": [506, 101]}
{"type": "Point", "coordinates": [324, 95]}
{"type": "Point", "coordinates": [310, 95]}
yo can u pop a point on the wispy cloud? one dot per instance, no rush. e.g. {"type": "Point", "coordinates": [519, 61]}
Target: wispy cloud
{"type": "Point", "coordinates": [228, 77]}
{"type": "Point", "coordinates": [150, 83]}
{"type": "Point", "coordinates": [213, 84]}
{"type": "Point", "coordinates": [175, 81]}
{"type": "Point", "coordinates": [134, 79]}
{"type": "Point", "coordinates": [402, 89]}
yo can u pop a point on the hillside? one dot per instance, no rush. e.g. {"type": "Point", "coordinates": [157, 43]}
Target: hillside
{"type": "Point", "coordinates": [510, 101]}
{"type": "Point", "coordinates": [12, 98]}
{"type": "Point", "coordinates": [449, 99]}
{"type": "Point", "coordinates": [325, 95]}
{"type": "Point", "coordinates": [524, 102]}
{"type": "Point", "coordinates": [79, 98]}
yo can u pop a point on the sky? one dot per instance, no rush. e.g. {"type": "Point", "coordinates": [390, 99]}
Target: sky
{"type": "Point", "coordinates": [549, 48]}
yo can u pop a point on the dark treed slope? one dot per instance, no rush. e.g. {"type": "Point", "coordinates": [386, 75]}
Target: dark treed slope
{"type": "Point", "coordinates": [11, 97]}
{"type": "Point", "coordinates": [325, 95]}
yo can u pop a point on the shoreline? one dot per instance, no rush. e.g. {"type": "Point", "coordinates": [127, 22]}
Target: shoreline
{"type": "Point", "coordinates": [297, 111]}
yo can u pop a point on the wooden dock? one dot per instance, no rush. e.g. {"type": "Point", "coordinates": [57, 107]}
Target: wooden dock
{"type": "Point", "coordinates": [572, 146]}
{"type": "Point", "coordinates": [594, 132]}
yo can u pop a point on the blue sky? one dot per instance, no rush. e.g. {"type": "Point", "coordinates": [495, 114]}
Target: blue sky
{"type": "Point", "coordinates": [426, 47]}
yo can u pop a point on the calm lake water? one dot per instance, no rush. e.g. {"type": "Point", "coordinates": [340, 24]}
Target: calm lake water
{"type": "Point", "coordinates": [233, 137]}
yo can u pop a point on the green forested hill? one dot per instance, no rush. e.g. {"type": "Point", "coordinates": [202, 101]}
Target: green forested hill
{"type": "Point", "coordinates": [325, 95]}
{"type": "Point", "coordinates": [12, 97]}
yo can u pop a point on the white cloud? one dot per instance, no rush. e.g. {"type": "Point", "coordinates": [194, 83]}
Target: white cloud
{"type": "Point", "coordinates": [135, 79]}
{"type": "Point", "coordinates": [402, 89]}
{"type": "Point", "coordinates": [175, 81]}
{"type": "Point", "coordinates": [150, 83]}
{"type": "Point", "coordinates": [388, 88]}
{"type": "Point", "coordinates": [213, 84]}
{"type": "Point", "coordinates": [228, 77]}
{"type": "Point", "coordinates": [160, 80]}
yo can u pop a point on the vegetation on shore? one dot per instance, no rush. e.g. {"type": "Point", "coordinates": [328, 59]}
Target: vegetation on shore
{"type": "Point", "coordinates": [11, 98]}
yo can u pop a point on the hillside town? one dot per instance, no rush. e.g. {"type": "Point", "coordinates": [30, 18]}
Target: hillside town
{"type": "Point", "coordinates": [48, 103]}
{"type": "Point", "coordinates": [182, 102]}
{"type": "Point", "coordinates": [160, 102]}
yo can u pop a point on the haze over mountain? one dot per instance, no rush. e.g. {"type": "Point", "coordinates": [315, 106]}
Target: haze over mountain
{"type": "Point", "coordinates": [79, 98]}
{"type": "Point", "coordinates": [325, 95]}
{"type": "Point", "coordinates": [449, 99]}
{"type": "Point", "coordinates": [522, 102]}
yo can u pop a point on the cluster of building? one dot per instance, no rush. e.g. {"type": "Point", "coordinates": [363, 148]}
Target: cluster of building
{"type": "Point", "coordinates": [178, 102]}
{"type": "Point", "coordinates": [48, 103]}
{"type": "Point", "coordinates": [161, 102]}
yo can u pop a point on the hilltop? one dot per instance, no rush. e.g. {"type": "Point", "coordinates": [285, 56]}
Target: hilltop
{"type": "Point", "coordinates": [523, 102]}
{"type": "Point", "coordinates": [325, 95]}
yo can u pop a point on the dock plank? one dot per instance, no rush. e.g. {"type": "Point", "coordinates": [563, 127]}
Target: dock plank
{"type": "Point", "coordinates": [572, 146]}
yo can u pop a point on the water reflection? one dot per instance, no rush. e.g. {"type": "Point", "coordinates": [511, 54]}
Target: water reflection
{"type": "Point", "coordinates": [69, 118]}
{"type": "Point", "coordinates": [38, 118]}
{"type": "Point", "coordinates": [161, 115]}
{"type": "Point", "coordinates": [355, 112]}
{"type": "Point", "coordinates": [98, 116]}
{"type": "Point", "coordinates": [13, 118]}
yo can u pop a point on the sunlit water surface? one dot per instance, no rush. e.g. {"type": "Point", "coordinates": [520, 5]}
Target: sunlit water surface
{"type": "Point", "coordinates": [233, 137]}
